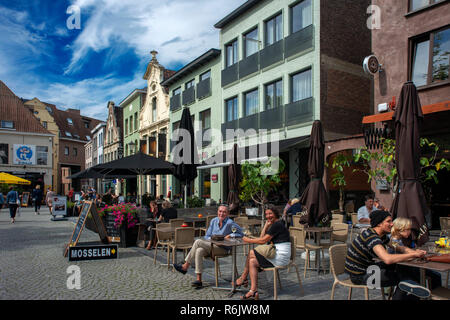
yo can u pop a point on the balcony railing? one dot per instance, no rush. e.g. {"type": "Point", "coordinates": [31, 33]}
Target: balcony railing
{"type": "Point", "coordinates": [299, 112]}
{"type": "Point", "coordinates": [299, 41]}
{"type": "Point", "coordinates": [230, 74]}
{"type": "Point", "coordinates": [175, 102]}
{"type": "Point", "coordinates": [189, 95]}
{"type": "Point", "coordinates": [272, 54]}
{"type": "Point", "coordinates": [294, 113]}
{"type": "Point", "coordinates": [204, 88]}
{"type": "Point", "coordinates": [249, 65]}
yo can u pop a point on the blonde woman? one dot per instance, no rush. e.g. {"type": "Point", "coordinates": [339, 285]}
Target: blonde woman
{"type": "Point", "coordinates": [401, 229]}
{"type": "Point", "coordinates": [49, 200]}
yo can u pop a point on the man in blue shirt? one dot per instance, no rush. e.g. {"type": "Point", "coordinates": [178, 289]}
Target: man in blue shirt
{"type": "Point", "coordinates": [221, 225]}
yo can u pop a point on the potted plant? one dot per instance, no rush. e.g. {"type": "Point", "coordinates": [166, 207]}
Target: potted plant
{"type": "Point", "coordinates": [125, 220]}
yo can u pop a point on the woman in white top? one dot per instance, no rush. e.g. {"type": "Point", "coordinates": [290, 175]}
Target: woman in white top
{"type": "Point", "coordinates": [274, 231]}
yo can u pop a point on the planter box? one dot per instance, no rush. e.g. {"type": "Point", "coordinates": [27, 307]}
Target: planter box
{"type": "Point", "coordinates": [128, 236]}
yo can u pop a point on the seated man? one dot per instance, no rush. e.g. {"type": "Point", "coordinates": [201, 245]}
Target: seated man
{"type": "Point", "coordinates": [370, 245]}
{"type": "Point", "coordinates": [365, 210]}
{"type": "Point", "coordinates": [221, 225]}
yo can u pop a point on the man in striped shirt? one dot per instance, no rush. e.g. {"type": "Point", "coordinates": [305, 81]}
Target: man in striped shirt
{"type": "Point", "coordinates": [370, 245]}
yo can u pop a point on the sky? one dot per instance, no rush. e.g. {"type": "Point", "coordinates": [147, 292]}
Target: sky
{"type": "Point", "coordinates": [84, 60]}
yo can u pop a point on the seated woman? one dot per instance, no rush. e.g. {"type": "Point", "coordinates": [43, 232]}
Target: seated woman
{"type": "Point", "coordinates": [151, 225]}
{"type": "Point", "coordinates": [274, 231]}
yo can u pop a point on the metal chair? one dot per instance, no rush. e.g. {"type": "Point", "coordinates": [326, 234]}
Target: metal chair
{"type": "Point", "coordinates": [184, 239]}
{"type": "Point", "coordinates": [276, 275]}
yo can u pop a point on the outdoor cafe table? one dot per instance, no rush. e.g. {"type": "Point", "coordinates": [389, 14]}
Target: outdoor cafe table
{"type": "Point", "coordinates": [424, 265]}
{"type": "Point", "coordinates": [233, 243]}
{"type": "Point", "coordinates": [194, 220]}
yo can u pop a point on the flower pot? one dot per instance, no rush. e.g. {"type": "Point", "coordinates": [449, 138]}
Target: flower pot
{"type": "Point", "coordinates": [128, 236]}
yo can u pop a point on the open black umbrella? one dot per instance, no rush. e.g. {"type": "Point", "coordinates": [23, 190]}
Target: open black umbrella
{"type": "Point", "coordinates": [314, 198]}
{"type": "Point", "coordinates": [92, 173]}
{"type": "Point", "coordinates": [234, 177]}
{"type": "Point", "coordinates": [409, 201]}
{"type": "Point", "coordinates": [138, 164]}
{"type": "Point", "coordinates": [185, 152]}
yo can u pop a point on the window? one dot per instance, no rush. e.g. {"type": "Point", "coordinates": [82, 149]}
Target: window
{"type": "Point", "coordinates": [136, 119]}
{"type": "Point", "coordinates": [44, 124]}
{"type": "Point", "coordinates": [273, 95]}
{"type": "Point", "coordinates": [176, 91]}
{"type": "Point", "coordinates": [100, 139]}
{"type": "Point", "coordinates": [189, 84]}
{"type": "Point", "coordinates": [41, 155]}
{"type": "Point", "coordinates": [301, 86]}
{"type": "Point", "coordinates": [4, 153]}
{"type": "Point", "coordinates": [251, 42]}
{"type": "Point", "coordinates": [66, 151]}
{"type": "Point", "coordinates": [75, 152]}
{"type": "Point", "coordinates": [76, 136]}
{"type": "Point", "coordinates": [301, 15]}
{"type": "Point", "coordinates": [130, 129]}
{"type": "Point", "coordinates": [88, 138]}
{"type": "Point", "coordinates": [69, 121]}
{"type": "Point", "coordinates": [49, 109]}
{"type": "Point", "coordinates": [205, 183]}
{"type": "Point", "coordinates": [274, 30]}
{"type": "Point", "coordinates": [68, 134]}
{"type": "Point", "coordinates": [231, 109]}
{"type": "Point", "coordinates": [251, 103]}
{"type": "Point", "coordinates": [205, 118]}
{"type": "Point", "coordinates": [126, 126]}
{"type": "Point", "coordinates": [418, 4]}
{"type": "Point", "coordinates": [87, 124]}
{"type": "Point", "coordinates": [434, 68]}
{"type": "Point", "coordinates": [231, 50]}
{"type": "Point", "coordinates": [7, 124]}
{"type": "Point", "coordinates": [205, 75]}
{"type": "Point", "coordinates": [154, 109]}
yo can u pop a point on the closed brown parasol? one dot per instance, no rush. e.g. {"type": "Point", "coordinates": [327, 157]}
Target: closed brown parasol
{"type": "Point", "coordinates": [314, 198]}
{"type": "Point", "coordinates": [409, 201]}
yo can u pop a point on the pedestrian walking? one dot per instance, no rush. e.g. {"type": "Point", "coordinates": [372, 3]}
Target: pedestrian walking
{"type": "Point", "coordinates": [49, 200]}
{"type": "Point", "coordinates": [37, 198]}
{"type": "Point", "coordinates": [2, 201]}
{"type": "Point", "coordinates": [12, 199]}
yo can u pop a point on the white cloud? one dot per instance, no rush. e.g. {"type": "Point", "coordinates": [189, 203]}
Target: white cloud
{"type": "Point", "coordinates": [148, 25]}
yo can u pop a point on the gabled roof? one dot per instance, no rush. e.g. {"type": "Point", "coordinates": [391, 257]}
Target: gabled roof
{"type": "Point", "coordinates": [13, 109]}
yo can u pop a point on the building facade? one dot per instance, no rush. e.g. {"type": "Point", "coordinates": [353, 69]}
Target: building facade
{"type": "Point", "coordinates": [131, 108]}
{"type": "Point", "coordinates": [412, 44]}
{"type": "Point", "coordinates": [287, 63]}
{"type": "Point", "coordinates": [26, 147]}
{"type": "Point", "coordinates": [154, 123]}
{"type": "Point", "coordinates": [197, 86]}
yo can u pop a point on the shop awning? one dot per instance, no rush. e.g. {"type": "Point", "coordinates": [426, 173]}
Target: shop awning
{"type": "Point", "coordinates": [387, 116]}
{"type": "Point", "coordinates": [10, 179]}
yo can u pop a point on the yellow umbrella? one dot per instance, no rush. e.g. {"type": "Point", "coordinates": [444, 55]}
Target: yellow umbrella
{"type": "Point", "coordinates": [10, 179]}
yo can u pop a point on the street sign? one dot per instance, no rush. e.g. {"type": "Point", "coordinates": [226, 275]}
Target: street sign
{"type": "Point", "coordinates": [93, 252]}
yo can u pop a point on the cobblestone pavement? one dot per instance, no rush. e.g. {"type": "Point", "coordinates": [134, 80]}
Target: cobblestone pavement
{"type": "Point", "coordinates": [32, 267]}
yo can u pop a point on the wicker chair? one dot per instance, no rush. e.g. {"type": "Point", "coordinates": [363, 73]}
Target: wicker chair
{"type": "Point", "coordinates": [445, 228]}
{"type": "Point", "coordinates": [300, 243]}
{"type": "Point", "coordinates": [337, 217]}
{"type": "Point", "coordinates": [184, 239]}
{"type": "Point", "coordinates": [276, 275]}
{"type": "Point", "coordinates": [176, 223]}
{"type": "Point", "coordinates": [164, 239]}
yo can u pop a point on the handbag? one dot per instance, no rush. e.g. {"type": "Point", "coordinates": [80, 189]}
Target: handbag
{"type": "Point", "coordinates": [266, 250]}
{"type": "Point", "coordinates": [17, 199]}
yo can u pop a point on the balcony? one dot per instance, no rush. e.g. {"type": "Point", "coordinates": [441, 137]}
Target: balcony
{"type": "Point", "coordinates": [249, 122]}
{"type": "Point", "coordinates": [271, 118]}
{"type": "Point", "coordinates": [249, 65]}
{"type": "Point", "coordinates": [230, 74]}
{"type": "Point", "coordinates": [299, 41]}
{"type": "Point", "coordinates": [175, 102]}
{"type": "Point", "coordinates": [272, 54]}
{"type": "Point", "coordinates": [189, 96]}
{"type": "Point", "coordinates": [233, 124]}
{"type": "Point", "coordinates": [204, 88]}
{"type": "Point", "coordinates": [299, 112]}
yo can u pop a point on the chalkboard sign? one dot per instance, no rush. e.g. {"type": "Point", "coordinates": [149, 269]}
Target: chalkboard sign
{"type": "Point", "coordinates": [113, 232]}
{"type": "Point", "coordinates": [99, 224]}
{"type": "Point", "coordinates": [25, 197]}
{"type": "Point", "coordinates": [79, 226]}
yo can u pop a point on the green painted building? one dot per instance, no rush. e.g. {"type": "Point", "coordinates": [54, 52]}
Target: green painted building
{"type": "Point", "coordinates": [131, 107]}
{"type": "Point", "coordinates": [197, 86]}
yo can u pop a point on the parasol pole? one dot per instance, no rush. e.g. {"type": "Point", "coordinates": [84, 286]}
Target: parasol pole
{"type": "Point", "coordinates": [185, 194]}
